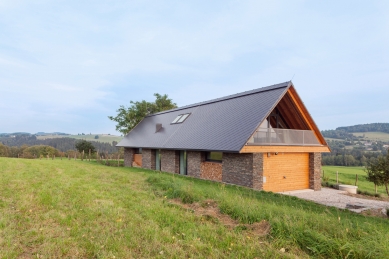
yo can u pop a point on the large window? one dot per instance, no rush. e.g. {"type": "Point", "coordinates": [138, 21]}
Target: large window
{"type": "Point", "coordinates": [214, 157]}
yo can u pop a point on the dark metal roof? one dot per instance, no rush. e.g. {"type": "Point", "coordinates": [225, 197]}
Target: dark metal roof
{"type": "Point", "coordinates": [223, 124]}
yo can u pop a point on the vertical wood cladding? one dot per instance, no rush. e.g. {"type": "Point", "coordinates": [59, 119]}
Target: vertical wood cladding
{"type": "Point", "coordinates": [170, 161]}
{"type": "Point", "coordinates": [315, 171]}
{"type": "Point", "coordinates": [148, 159]}
{"type": "Point", "coordinates": [194, 159]}
{"type": "Point", "coordinates": [243, 169]}
{"type": "Point", "coordinates": [128, 156]}
{"type": "Point", "coordinates": [211, 171]}
{"type": "Point", "coordinates": [286, 172]}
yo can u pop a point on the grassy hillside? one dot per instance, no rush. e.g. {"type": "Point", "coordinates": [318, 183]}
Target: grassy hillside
{"type": "Point", "coordinates": [376, 136]}
{"type": "Point", "coordinates": [102, 137]}
{"type": "Point", "coordinates": [75, 209]}
{"type": "Point", "coordinates": [346, 175]}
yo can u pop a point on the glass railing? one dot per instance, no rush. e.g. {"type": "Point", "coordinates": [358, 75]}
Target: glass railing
{"type": "Point", "coordinates": [284, 137]}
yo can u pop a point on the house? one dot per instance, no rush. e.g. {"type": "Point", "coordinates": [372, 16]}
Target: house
{"type": "Point", "coordinates": [263, 139]}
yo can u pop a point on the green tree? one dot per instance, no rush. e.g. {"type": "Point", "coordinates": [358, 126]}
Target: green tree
{"type": "Point", "coordinates": [128, 117]}
{"type": "Point", "coordinates": [84, 145]}
{"type": "Point", "coordinates": [378, 171]}
{"type": "Point", "coordinates": [97, 137]}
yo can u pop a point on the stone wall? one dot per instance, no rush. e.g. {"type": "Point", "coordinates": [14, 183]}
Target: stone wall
{"type": "Point", "coordinates": [194, 160]}
{"type": "Point", "coordinates": [211, 171]}
{"type": "Point", "coordinates": [315, 171]}
{"type": "Point", "coordinates": [148, 159]}
{"type": "Point", "coordinates": [128, 156]}
{"type": "Point", "coordinates": [170, 161]}
{"type": "Point", "coordinates": [258, 171]}
{"type": "Point", "coordinates": [243, 169]}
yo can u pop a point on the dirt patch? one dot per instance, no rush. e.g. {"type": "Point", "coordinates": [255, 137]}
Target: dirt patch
{"type": "Point", "coordinates": [375, 213]}
{"type": "Point", "coordinates": [209, 210]}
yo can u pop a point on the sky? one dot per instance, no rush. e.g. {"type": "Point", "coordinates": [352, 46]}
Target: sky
{"type": "Point", "coordinates": [65, 66]}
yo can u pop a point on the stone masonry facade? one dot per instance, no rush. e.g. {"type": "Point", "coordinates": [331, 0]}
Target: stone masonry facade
{"type": "Point", "coordinates": [243, 169]}
{"type": "Point", "coordinates": [194, 160]}
{"type": "Point", "coordinates": [148, 158]}
{"type": "Point", "coordinates": [258, 171]}
{"type": "Point", "coordinates": [315, 171]}
{"type": "Point", "coordinates": [170, 161]}
{"type": "Point", "coordinates": [128, 156]}
{"type": "Point", "coordinates": [236, 168]}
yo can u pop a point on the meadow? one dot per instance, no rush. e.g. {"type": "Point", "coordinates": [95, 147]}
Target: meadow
{"type": "Point", "coordinates": [376, 136]}
{"type": "Point", "coordinates": [79, 209]}
{"type": "Point", "coordinates": [347, 175]}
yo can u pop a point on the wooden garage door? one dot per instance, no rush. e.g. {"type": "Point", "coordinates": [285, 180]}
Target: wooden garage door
{"type": "Point", "coordinates": [286, 172]}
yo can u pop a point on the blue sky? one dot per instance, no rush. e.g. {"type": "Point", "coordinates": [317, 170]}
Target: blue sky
{"type": "Point", "coordinates": [66, 65]}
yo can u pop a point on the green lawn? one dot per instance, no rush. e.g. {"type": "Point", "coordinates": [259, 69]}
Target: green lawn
{"type": "Point", "coordinates": [347, 175]}
{"type": "Point", "coordinates": [102, 137]}
{"type": "Point", "coordinates": [382, 136]}
{"type": "Point", "coordinates": [79, 209]}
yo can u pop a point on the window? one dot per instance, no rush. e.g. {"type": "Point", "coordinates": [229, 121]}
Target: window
{"type": "Point", "coordinates": [138, 150]}
{"type": "Point", "coordinates": [214, 157]}
{"type": "Point", "coordinates": [180, 118]}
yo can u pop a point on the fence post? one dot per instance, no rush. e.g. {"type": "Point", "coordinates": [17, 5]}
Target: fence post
{"type": "Point", "coordinates": [356, 180]}
{"type": "Point", "coordinates": [89, 155]}
{"type": "Point", "coordinates": [337, 179]}
{"type": "Point", "coordinates": [375, 188]}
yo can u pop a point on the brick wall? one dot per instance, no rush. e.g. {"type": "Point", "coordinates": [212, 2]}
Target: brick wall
{"type": "Point", "coordinates": [211, 171]}
{"type": "Point", "coordinates": [243, 169]}
{"type": "Point", "coordinates": [128, 156]}
{"type": "Point", "coordinates": [148, 159]}
{"type": "Point", "coordinates": [170, 161]}
{"type": "Point", "coordinates": [315, 171]}
{"type": "Point", "coordinates": [194, 160]}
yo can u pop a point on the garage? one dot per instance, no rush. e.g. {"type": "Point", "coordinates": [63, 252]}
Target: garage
{"type": "Point", "coordinates": [285, 171]}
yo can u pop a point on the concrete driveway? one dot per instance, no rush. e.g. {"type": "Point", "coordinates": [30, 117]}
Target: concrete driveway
{"type": "Point", "coordinates": [339, 199]}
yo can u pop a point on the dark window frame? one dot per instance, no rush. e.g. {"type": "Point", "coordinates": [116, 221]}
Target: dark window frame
{"type": "Point", "coordinates": [208, 159]}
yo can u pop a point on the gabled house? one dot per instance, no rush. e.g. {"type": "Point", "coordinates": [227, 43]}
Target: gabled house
{"type": "Point", "coordinates": [263, 139]}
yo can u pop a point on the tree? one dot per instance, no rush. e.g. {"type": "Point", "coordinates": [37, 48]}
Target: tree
{"type": "Point", "coordinates": [128, 117]}
{"type": "Point", "coordinates": [97, 137]}
{"type": "Point", "coordinates": [378, 171]}
{"type": "Point", "coordinates": [84, 145]}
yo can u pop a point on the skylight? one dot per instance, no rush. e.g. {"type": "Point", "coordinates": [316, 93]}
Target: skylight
{"type": "Point", "coordinates": [176, 119]}
{"type": "Point", "coordinates": [180, 118]}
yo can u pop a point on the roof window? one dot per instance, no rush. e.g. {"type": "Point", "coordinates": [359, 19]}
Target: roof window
{"type": "Point", "coordinates": [180, 118]}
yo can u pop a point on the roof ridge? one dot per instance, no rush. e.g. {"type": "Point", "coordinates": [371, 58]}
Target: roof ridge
{"type": "Point", "coordinates": [228, 97]}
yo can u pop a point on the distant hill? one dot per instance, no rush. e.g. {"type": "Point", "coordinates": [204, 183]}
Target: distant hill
{"type": "Point", "coordinates": [371, 127]}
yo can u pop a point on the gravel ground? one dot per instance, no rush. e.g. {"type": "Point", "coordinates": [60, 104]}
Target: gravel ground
{"type": "Point", "coordinates": [339, 199]}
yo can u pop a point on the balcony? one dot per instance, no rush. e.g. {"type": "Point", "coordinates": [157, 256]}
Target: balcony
{"type": "Point", "coordinates": [284, 137]}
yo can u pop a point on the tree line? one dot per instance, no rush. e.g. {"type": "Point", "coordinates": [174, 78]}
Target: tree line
{"type": "Point", "coordinates": [375, 127]}
{"type": "Point", "coordinates": [82, 148]}
{"type": "Point", "coordinates": [61, 144]}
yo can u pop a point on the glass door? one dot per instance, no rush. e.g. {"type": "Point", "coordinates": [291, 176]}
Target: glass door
{"type": "Point", "coordinates": [158, 159]}
{"type": "Point", "coordinates": [183, 163]}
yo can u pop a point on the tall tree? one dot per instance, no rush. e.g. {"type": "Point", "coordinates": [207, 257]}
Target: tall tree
{"type": "Point", "coordinates": [378, 171]}
{"type": "Point", "coordinates": [85, 146]}
{"type": "Point", "coordinates": [128, 117]}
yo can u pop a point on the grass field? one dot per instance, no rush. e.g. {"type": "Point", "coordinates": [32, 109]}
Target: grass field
{"type": "Point", "coordinates": [75, 209]}
{"type": "Point", "coordinates": [102, 137]}
{"type": "Point", "coordinates": [346, 175]}
{"type": "Point", "coordinates": [382, 136]}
